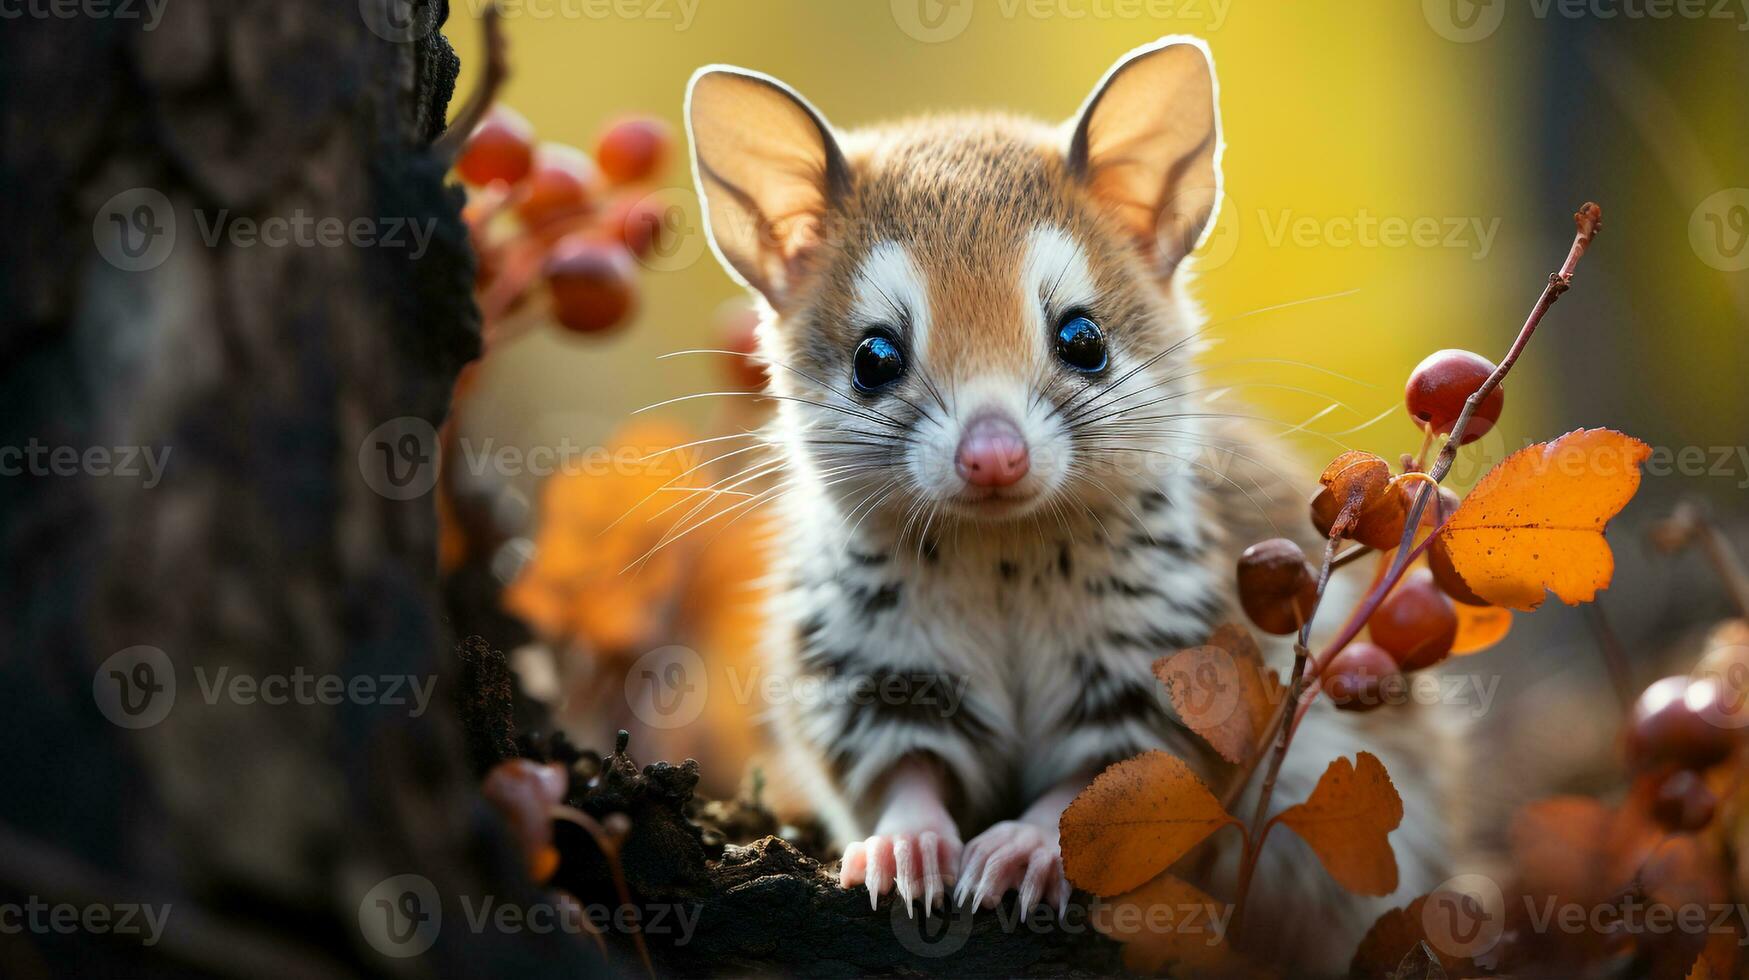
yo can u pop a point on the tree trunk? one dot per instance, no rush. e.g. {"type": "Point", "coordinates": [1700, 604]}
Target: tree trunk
{"type": "Point", "coordinates": [199, 405]}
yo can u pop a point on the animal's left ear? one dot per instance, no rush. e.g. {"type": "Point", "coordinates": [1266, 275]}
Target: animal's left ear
{"type": "Point", "coordinates": [1147, 143]}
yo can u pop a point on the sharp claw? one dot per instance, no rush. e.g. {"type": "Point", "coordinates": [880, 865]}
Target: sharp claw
{"type": "Point", "coordinates": [874, 895]}
{"type": "Point", "coordinates": [1028, 898]}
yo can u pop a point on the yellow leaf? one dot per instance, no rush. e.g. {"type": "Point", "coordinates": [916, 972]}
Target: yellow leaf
{"type": "Point", "coordinates": [1536, 521]}
{"type": "Point", "coordinates": [1134, 820]}
{"type": "Point", "coordinates": [1222, 691]}
{"type": "Point", "coordinates": [1479, 627]}
{"type": "Point", "coordinates": [1348, 820]}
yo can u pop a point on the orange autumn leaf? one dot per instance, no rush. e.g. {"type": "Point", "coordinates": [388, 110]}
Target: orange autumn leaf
{"type": "Point", "coordinates": [1134, 820]}
{"type": "Point", "coordinates": [1536, 521]}
{"type": "Point", "coordinates": [596, 519]}
{"type": "Point", "coordinates": [1401, 934]}
{"type": "Point", "coordinates": [1170, 923]}
{"type": "Point", "coordinates": [1222, 691]}
{"type": "Point", "coordinates": [1348, 820]}
{"type": "Point", "coordinates": [1479, 627]}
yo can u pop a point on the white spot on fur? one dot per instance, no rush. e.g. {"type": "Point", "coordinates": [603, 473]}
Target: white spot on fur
{"type": "Point", "coordinates": [890, 288]}
{"type": "Point", "coordinates": [1055, 276]}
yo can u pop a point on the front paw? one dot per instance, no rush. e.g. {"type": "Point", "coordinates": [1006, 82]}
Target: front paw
{"type": "Point", "coordinates": [919, 865]}
{"type": "Point", "coordinates": [1014, 855]}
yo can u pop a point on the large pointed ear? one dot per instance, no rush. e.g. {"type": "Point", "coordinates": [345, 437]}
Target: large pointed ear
{"type": "Point", "coordinates": [768, 170]}
{"type": "Point", "coordinates": [1148, 144]}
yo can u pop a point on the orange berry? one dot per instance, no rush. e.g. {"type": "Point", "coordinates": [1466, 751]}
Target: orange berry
{"type": "Point", "coordinates": [501, 147]}
{"type": "Point", "coordinates": [633, 149]}
{"type": "Point", "coordinates": [563, 184]}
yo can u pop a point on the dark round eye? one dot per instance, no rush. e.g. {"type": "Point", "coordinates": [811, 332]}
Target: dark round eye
{"type": "Point", "coordinates": [877, 364]}
{"type": "Point", "coordinates": [1081, 345]}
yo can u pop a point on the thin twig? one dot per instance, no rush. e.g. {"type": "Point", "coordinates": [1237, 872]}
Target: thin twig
{"type": "Point", "coordinates": [494, 72]}
{"type": "Point", "coordinates": [1615, 658]}
{"type": "Point", "coordinates": [1587, 220]}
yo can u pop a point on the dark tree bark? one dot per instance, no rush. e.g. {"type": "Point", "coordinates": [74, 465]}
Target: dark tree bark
{"type": "Point", "coordinates": [263, 548]}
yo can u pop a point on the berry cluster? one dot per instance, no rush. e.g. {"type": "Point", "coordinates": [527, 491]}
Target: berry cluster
{"type": "Point", "coordinates": [1361, 500]}
{"type": "Point", "coordinates": [1674, 735]}
{"type": "Point", "coordinates": [551, 215]}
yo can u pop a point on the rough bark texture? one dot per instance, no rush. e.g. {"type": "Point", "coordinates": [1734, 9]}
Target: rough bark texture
{"type": "Point", "coordinates": [263, 549]}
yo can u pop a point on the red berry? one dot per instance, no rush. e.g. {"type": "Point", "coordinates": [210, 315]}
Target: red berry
{"type": "Point", "coordinates": [1361, 677]}
{"type": "Point", "coordinates": [1439, 386]}
{"type": "Point", "coordinates": [1684, 803]}
{"type": "Point", "coordinates": [1670, 727]}
{"type": "Point", "coordinates": [736, 325]}
{"type": "Point", "coordinates": [634, 149]}
{"type": "Point", "coordinates": [1277, 587]}
{"type": "Point", "coordinates": [501, 147]}
{"type": "Point", "coordinates": [562, 184]}
{"type": "Point", "coordinates": [638, 221]}
{"type": "Point", "coordinates": [1416, 622]}
{"type": "Point", "coordinates": [594, 284]}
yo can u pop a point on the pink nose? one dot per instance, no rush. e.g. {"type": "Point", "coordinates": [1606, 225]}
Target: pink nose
{"type": "Point", "coordinates": [992, 453]}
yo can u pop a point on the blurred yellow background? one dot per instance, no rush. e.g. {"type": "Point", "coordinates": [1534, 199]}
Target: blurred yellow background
{"type": "Point", "coordinates": [1335, 113]}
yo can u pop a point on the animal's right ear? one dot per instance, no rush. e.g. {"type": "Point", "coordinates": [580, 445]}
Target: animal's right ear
{"type": "Point", "coordinates": [768, 170]}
